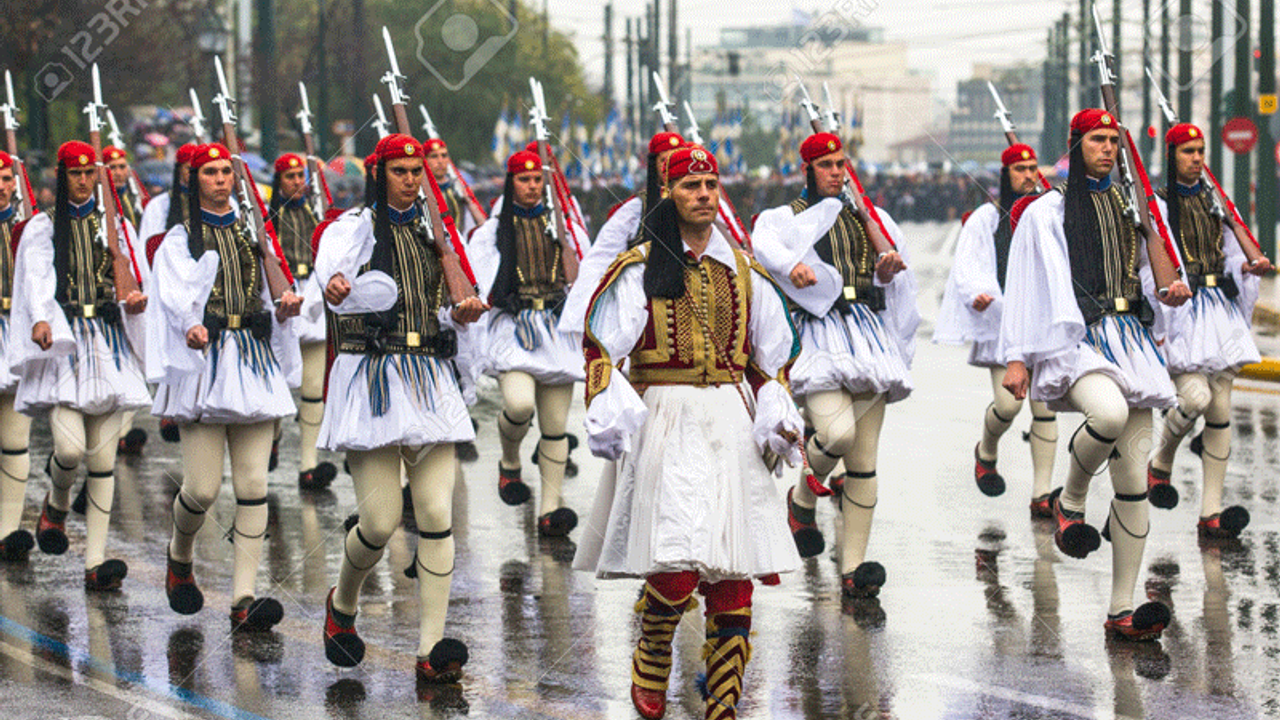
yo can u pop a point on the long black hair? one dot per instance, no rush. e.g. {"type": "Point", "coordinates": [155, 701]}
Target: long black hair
{"type": "Point", "coordinates": [195, 222]}
{"type": "Point", "coordinates": [653, 183]}
{"type": "Point", "coordinates": [62, 234]}
{"type": "Point", "coordinates": [1080, 223]}
{"type": "Point", "coordinates": [664, 268]}
{"type": "Point", "coordinates": [811, 186]}
{"type": "Point", "coordinates": [1171, 192]}
{"type": "Point", "coordinates": [383, 257]}
{"type": "Point", "coordinates": [507, 283]}
{"type": "Point", "coordinates": [175, 203]}
{"type": "Point", "coordinates": [370, 187]}
{"type": "Point", "coordinates": [277, 198]}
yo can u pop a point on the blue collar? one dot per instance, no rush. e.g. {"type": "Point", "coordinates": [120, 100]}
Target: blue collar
{"type": "Point", "coordinates": [446, 184]}
{"type": "Point", "coordinates": [216, 220]}
{"type": "Point", "coordinates": [295, 203]}
{"type": "Point", "coordinates": [7, 213]}
{"type": "Point", "coordinates": [182, 190]}
{"type": "Point", "coordinates": [1188, 190]}
{"type": "Point", "coordinates": [81, 211]}
{"type": "Point", "coordinates": [1099, 185]}
{"type": "Point", "coordinates": [524, 212]}
{"type": "Point", "coordinates": [402, 217]}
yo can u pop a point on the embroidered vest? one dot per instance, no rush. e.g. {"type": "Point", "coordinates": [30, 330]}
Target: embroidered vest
{"type": "Point", "coordinates": [294, 226]}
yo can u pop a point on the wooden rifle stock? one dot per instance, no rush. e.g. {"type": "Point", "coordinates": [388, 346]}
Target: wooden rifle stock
{"type": "Point", "coordinates": [459, 285]}
{"type": "Point", "coordinates": [568, 253]}
{"type": "Point", "coordinates": [277, 283]}
{"type": "Point", "coordinates": [126, 283]}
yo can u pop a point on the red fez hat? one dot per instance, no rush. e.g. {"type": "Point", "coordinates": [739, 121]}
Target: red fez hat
{"type": "Point", "coordinates": [695, 160]}
{"type": "Point", "coordinates": [396, 146]}
{"type": "Point", "coordinates": [287, 161]}
{"type": "Point", "coordinates": [664, 141]}
{"type": "Point", "coordinates": [433, 144]}
{"type": "Point", "coordinates": [370, 161]}
{"type": "Point", "coordinates": [76, 154]}
{"type": "Point", "coordinates": [532, 147]}
{"type": "Point", "coordinates": [523, 162]}
{"type": "Point", "coordinates": [111, 152]}
{"type": "Point", "coordinates": [819, 144]}
{"type": "Point", "coordinates": [1092, 119]}
{"type": "Point", "coordinates": [184, 153]}
{"type": "Point", "coordinates": [5, 160]}
{"type": "Point", "coordinates": [207, 153]}
{"type": "Point", "coordinates": [1015, 154]}
{"type": "Point", "coordinates": [1181, 133]}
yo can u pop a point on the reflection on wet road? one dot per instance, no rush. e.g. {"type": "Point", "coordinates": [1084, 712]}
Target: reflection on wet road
{"type": "Point", "coordinates": [981, 616]}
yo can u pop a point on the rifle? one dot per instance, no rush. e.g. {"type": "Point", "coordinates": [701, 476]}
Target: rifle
{"type": "Point", "coordinates": [125, 274]}
{"type": "Point", "coordinates": [477, 212]}
{"type": "Point", "coordinates": [570, 254]}
{"type": "Point", "coordinates": [22, 194]}
{"type": "Point", "coordinates": [1221, 203]}
{"type": "Point", "coordinates": [1006, 122]}
{"type": "Point", "coordinates": [458, 280]}
{"type": "Point", "coordinates": [199, 130]}
{"type": "Point", "coordinates": [320, 200]}
{"type": "Point", "coordinates": [134, 186]}
{"type": "Point", "coordinates": [1141, 211]}
{"type": "Point", "coordinates": [851, 192]}
{"type": "Point", "coordinates": [247, 195]}
{"type": "Point", "coordinates": [727, 220]}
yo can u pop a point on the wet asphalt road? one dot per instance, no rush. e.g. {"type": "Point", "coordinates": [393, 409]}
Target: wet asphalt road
{"type": "Point", "coordinates": [981, 616]}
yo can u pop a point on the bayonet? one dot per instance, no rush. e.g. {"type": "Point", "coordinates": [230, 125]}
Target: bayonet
{"type": "Point", "coordinates": [198, 127]}
{"type": "Point", "coordinates": [663, 106]}
{"type": "Point", "coordinates": [381, 126]}
{"type": "Point", "coordinates": [9, 111]}
{"type": "Point", "coordinates": [833, 117]}
{"type": "Point", "coordinates": [695, 135]}
{"type": "Point", "coordinates": [427, 126]}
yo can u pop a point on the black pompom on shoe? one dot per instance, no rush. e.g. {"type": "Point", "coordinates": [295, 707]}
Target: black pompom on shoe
{"type": "Point", "coordinates": [443, 665]}
{"type": "Point", "coordinates": [864, 582]}
{"type": "Point", "coordinates": [558, 523]}
{"type": "Point", "coordinates": [132, 442]}
{"type": "Point", "coordinates": [257, 615]}
{"type": "Point", "coordinates": [16, 546]}
{"type": "Point", "coordinates": [318, 477]}
{"type": "Point", "coordinates": [169, 431]}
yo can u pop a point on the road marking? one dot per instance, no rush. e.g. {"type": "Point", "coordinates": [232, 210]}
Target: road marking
{"type": "Point", "coordinates": [21, 637]}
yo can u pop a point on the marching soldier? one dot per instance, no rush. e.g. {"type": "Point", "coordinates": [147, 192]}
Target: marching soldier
{"type": "Point", "coordinates": [117, 161]}
{"type": "Point", "coordinates": [15, 428]}
{"type": "Point", "coordinates": [438, 165]}
{"type": "Point", "coordinates": [856, 315]}
{"type": "Point", "coordinates": [395, 398]}
{"type": "Point", "coordinates": [970, 312]}
{"type": "Point", "coordinates": [295, 221]}
{"type": "Point", "coordinates": [1209, 337]}
{"type": "Point", "coordinates": [694, 506]}
{"type": "Point", "coordinates": [1076, 335]}
{"type": "Point", "coordinates": [520, 269]}
{"type": "Point", "coordinates": [73, 349]}
{"type": "Point", "coordinates": [226, 364]}
{"type": "Point", "coordinates": [169, 208]}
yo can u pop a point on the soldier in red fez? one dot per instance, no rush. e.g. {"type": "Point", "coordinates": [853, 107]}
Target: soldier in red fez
{"type": "Point", "coordinates": [225, 362]}
{"type": "Point", "coordinates": [520, 270]}
{"type": "Point", "coordinates": [857, 318]}
{"type": "Point", "coordinates": [694, 505]}
{"type": "Point", "coordinates": [15, 428]}
{"type": "Point", "coordinates": [438, 162]}
{"type": "Point", "coordinates": [1076, 334]}
{"type": "Point", "coordinates": [295, 222]}
{"type": "Point", "coordinates": [970, 312]}
{"type": "Point", "coordinates": [161, 213]}
{"type": "Point", "coordinates": [398, 395]}
{"type": "Point", "coordinates": [133, 199]}
{"type": "Point", "coordinates": [76, 348]}
{"type": "Point", "coordinates": [1209, 338]}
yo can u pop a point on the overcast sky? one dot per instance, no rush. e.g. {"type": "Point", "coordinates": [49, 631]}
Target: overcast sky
{"type": "Point", "coordinates": [946, 38]}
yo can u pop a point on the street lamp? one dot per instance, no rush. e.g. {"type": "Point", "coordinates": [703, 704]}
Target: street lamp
{"type": "Point", "coordinates": [212, 36]}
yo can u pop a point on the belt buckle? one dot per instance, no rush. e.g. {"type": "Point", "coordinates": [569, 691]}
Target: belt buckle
{"type": "Point", "coordinates": [233, 322]}
{"type": "Point", "coordinates": [539, 304]}
{"type": "Point", "coordinates": [850, 293]}
{"type": "Point", "coordinates": [303, 270]}
{"type": "Point", "coordinates": [413, 339]}
{"type": "Point", "coordinates": [89, 311]}
{"type": "Point", "coordinates": [1211, 281]}
{"type": "Point", "coordinates": [1122, 304]}
{"type": "Point", "coordinates": [6, 303]}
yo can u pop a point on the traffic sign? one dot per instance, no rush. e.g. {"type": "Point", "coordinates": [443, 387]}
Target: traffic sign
{"type": "Point", "coordinates": [1240, 135]}
{"type": "Point", "coordinates": [1266, 104]}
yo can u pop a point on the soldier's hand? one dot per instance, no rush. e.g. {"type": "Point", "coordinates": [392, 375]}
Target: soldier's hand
{"type": "Point", "coordinates": [1176, 294]}
{"type": "Point", "coordinates": [1016, 380]}
{"type": "Point", "coordinates": [469, 310]}
{"type": "Point", "coordinates": [889, 265]}
{"type": "Point", "coordinates": [337, 290]}
{"type": "Point", "coordinates": [135, 303]}
{"type": "Point", "coordinates": [1258, 267]}
{"type": "Point", "coordinates": [42, 335]}
{"type": "Point", "coordinates": [982, 302]}
{"type": "Point", "coordinates": [198, 337]}
{"type": "Point", "coordinates": [802, 276]}
{"type": "Point", "coordinates": [290, 306]}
